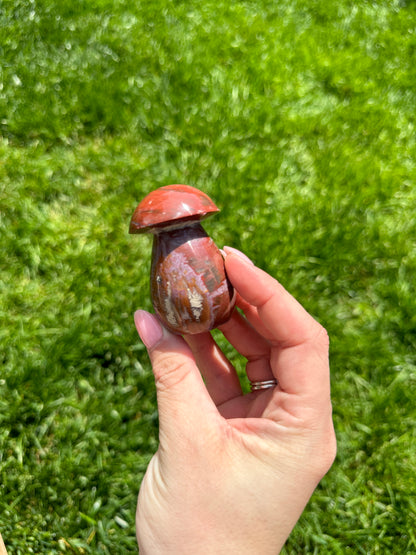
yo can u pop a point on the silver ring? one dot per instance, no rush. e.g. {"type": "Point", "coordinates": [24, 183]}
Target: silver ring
{"type": "Point", "coordinates": [266, 384]}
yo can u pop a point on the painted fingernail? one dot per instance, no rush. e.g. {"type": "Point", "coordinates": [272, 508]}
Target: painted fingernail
{"type": "Point", "coordinates": [148, 327]}
{"type": "Point", "coordinates": [232, 250]}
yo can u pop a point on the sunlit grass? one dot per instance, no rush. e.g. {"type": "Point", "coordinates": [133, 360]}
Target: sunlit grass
{"type": "Point", "coordinates": [298, 119]}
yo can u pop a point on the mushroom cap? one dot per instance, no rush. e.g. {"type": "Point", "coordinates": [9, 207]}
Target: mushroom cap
{"type": "Point", "coordinates": [170, 205]}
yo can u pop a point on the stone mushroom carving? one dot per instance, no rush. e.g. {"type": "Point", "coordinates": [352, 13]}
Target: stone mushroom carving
{"type": "Point", "coordinates": [189, 288]}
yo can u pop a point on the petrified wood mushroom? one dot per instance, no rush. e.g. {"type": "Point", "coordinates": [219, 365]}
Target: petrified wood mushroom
{"type": "Point", "coordinates": [189, 288]}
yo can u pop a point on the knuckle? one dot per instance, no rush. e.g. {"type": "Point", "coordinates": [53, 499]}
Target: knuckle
{"type": "Point", "coordinates": [319, 338]}
{"type": "Point", "coordinates": [170, 372]}
{"type": "Point", "coordinates": [322, 336]}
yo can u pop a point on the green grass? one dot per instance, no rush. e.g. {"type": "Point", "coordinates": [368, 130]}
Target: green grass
{"type": "Point", "coordinates": [298, 118]}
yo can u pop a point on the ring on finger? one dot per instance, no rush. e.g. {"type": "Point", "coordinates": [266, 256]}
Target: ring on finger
{"type": "Point", "coordinates": [265, 384]}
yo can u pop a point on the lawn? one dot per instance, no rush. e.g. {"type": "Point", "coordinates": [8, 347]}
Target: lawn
{"type": "Point", "coordinates": [298, 119]}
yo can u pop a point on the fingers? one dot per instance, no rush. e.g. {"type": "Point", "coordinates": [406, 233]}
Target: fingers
{"type": "Point", "coordinates": [220, 377]}
{"type": "Point", "coordinates": [287, 322]}
{"type": "Point", "coordinates": [299, 345]}
{"type": "Point", "coordinates": [253, 346]}
{"type": "Point", "coordinates": [183, 401]}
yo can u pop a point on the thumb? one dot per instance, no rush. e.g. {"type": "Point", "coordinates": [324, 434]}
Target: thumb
{"type": "Point", "coordinates": [183, 400]}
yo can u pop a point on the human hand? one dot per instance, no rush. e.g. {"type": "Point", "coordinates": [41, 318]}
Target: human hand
{"type": "Point", "coordinates": [234, 472]}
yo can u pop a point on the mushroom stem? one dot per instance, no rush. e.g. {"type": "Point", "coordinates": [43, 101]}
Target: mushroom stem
{"type": "Point", "coordinates": [189, 288]}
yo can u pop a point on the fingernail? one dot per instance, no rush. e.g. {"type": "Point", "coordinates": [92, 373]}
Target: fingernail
{"type": "Point", "coordinates": [148, 327]}
{"type": "Point", "coordinates": [232, 250]}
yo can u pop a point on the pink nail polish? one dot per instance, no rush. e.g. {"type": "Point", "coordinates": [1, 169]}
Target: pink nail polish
{"type": "Point", "coordinates": [148, 327]}
{"type": "Point", "coordinates": [232, 250]}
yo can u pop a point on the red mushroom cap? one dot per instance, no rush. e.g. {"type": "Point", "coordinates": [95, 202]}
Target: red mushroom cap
{"type": "Point", "coordinates": [171, 205]}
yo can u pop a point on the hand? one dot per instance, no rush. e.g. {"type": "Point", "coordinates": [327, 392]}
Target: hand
{"type": "Point", "coordinates": [234, 472]}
